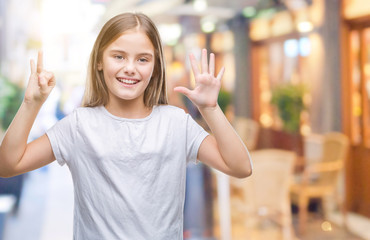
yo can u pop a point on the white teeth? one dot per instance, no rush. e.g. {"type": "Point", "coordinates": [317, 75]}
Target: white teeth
{"type": "Point", "coordinates": [127, 81]}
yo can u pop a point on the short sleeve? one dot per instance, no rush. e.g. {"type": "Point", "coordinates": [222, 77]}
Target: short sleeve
{"type": "Point", "coordinates": [62, 137]}
{"type": "Point", "coordinates": [195, 135]}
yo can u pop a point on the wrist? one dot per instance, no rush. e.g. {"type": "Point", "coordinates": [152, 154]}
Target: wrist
{"type": "Point", "coordinates": [209, 109]}
{"type": "Point", "coordinates": [32, 104]}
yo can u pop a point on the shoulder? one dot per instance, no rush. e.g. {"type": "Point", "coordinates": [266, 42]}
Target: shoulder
{"type": "Point", "coordinates": [170, 108]}
{"type": "Point", "coordinates": [82, 115]}
{"type": "Point", "coordinates": [86, 112]}
{"type": "Point", "coordinates": [171, 111]}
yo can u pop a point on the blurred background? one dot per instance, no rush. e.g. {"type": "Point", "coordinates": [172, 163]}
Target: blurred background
{"type": "Point", "coordinates": [296, 89]}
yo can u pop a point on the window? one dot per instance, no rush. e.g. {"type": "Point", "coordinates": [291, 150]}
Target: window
{"type": "Point", "coordinates": [360, 85]}
{"type": "Point", "coordinates": [278, 62]}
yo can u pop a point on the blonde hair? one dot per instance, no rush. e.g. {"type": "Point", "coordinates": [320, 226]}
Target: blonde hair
{"type": "Point", "coordinates": [96, 91]}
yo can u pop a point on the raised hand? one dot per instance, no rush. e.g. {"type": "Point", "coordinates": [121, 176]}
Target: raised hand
{"type": "Point", "coordinates": [40, 83]}
{"type": "Point", "coordinates": [207, 86]}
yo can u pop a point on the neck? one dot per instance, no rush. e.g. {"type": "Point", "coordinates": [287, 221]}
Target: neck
{"type": "Point", "coordinates": [128, 109]}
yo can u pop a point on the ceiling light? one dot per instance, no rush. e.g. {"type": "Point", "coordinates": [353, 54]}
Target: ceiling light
{"type": "Point", "coordinates": [208, 27]}
{"type": "Point", "coordinates": [208, 24]}
{"type": "Point", "coordinates": [170, 33]}
{"type": "Point", "coordinates": [305, 26]}
{"type": "Point", "coordinates": [249, 12]}
{"type": "Point", "coordinates": [200, 5]}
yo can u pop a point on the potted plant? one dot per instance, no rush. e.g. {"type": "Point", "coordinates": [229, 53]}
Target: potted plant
{"type": "Point", "coordinates": [10, 99]}
{"type": "Point", "coordinates": [224, 99]}
{"type": "Point", "coordinates": [288, 99]}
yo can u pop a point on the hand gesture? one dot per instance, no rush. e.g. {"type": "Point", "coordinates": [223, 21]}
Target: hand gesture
{"type": "Point", "coordinates": [207, 86]}
{"type": "Point", "coordinates": [40, 83]}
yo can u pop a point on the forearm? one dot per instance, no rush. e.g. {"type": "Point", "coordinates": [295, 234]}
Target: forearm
{"type": "Point", "coordinates": [231, 147]}
{"type": "Point", "coordinates": [14, 143]}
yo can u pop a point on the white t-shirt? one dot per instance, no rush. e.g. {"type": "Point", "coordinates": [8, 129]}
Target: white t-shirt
{"type": "Point", "coordinates": [128, 174]}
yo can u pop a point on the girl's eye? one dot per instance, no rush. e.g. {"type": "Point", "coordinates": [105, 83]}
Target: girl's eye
{"type": "Point", "coordinates": [119, 57]}
{"type": "Point", "coordinates": [143, 60]}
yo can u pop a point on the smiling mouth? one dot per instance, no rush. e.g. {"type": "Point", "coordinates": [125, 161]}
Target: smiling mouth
{"type": "Point", "coordinates": [128, 81]}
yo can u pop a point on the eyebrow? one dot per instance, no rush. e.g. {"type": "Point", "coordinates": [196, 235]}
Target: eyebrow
{"type": "Point", "coordinates": [148, 54]}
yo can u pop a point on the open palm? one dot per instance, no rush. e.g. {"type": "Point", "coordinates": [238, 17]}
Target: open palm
{"type": "Point", "coordinates": [207, 86]}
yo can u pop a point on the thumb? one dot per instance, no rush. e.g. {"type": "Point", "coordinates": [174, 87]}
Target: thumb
{"type": "Point", "coordinates": [183, 90]}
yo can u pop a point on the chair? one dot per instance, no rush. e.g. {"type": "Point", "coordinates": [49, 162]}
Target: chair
{"type": "Point", "coordinates": [266, 192]}
{"type": "Point", "coordinates": [312, 148]}
{"type": "Point", "coordinates": [248, 130]}
{"type": "Point", "coordinates": [319, 179]}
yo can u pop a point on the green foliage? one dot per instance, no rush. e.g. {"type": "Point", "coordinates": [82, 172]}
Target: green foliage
{"type": "Point", "coordinates": [224, 99]}
{"type": "Point", "coordinates": [288, 98]}
{"type": "Point", "coordinates": [11, 97]}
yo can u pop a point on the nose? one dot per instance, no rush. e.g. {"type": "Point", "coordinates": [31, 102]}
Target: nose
{"type": "Point", "coordinates": [129, 67]}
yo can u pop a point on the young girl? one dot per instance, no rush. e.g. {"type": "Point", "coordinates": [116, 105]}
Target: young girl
{"type": "Point", "coordinates": [126, 148]}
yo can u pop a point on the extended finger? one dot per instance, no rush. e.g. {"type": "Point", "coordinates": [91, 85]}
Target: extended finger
{"type": "Point", "coordinates": [194, 65]}
{"type": "Point", "coordinates": [33, 67]}
{"type": "Point", "coordinates": [212, 64]}
{"type": "Point", "coordinates": [204, 61]}
{"type": "Point", "coordinates": [40, 63]}
{"type": "Point", "coordinates": [220, 74]}
{"type": "Point", "coordinates": [183, 90]}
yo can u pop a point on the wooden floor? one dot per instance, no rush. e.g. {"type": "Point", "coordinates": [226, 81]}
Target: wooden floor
{"type": "Point", "coordinates": [317, 229]}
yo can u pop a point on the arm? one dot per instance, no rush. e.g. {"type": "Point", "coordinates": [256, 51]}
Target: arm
{"type": "Point", "coordinates": [223, 150]}
{"type": "Point", "coordinates": [16, 156]}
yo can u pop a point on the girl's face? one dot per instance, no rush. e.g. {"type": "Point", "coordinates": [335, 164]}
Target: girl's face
{"type": "Point", "coordinates": [127, 65]}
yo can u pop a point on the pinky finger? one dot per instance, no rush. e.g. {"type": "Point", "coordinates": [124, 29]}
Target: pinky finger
{"type": "Point", "coordinates": [220, 74]}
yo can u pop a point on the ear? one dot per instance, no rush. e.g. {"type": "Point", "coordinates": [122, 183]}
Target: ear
{"type": "Point", "coordinates": [100, 66]}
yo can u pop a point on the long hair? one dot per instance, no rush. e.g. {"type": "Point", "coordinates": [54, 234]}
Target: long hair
{"type": "Point", "coordinates": [96, 91]}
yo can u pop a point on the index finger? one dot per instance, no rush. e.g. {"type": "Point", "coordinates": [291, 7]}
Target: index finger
{"type": "Point", "coordinates": [194, 65]}
{"type": "Point", "coordinates": [40, 64]}
{"type": "Point", "coordinates": [204, 61]}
